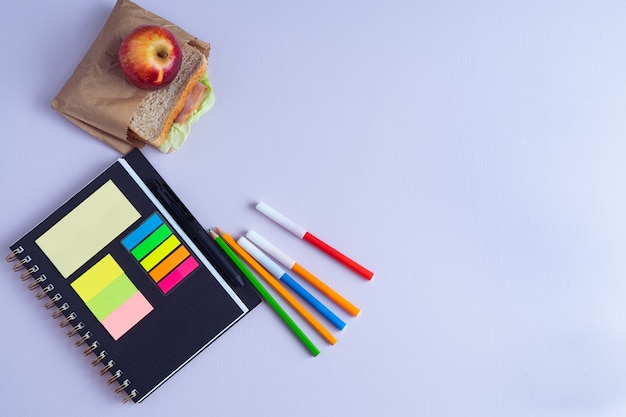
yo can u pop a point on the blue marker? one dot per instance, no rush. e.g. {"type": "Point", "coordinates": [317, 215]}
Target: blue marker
{"type": "Point", "coordinates": [280, 274]}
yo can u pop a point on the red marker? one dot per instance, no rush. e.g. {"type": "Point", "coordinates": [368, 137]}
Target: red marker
{"type": "Point", "coordinates": [304, 234]}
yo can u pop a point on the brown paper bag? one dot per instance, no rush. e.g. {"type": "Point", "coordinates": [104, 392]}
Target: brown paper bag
{"type": "Point", "coordinates": [97, 97]}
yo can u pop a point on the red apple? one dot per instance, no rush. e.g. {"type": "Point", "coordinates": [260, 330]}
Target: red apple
{"type": "Point", "coordinates": [150, 57]}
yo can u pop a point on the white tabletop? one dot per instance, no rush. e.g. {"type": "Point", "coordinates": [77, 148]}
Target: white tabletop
{"type": "Point", "coordinates": [470, 153]}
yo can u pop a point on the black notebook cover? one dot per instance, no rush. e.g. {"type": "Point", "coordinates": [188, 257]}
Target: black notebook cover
{"type": "Point", "coordinates": [141, 297]}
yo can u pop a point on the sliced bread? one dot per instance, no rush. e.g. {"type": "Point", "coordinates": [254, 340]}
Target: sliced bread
{"type": "Point", "coordinates": [152, 119]}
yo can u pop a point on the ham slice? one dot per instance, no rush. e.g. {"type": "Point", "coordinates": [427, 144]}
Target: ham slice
{"type": "Point", "coordinates": [192, 102]}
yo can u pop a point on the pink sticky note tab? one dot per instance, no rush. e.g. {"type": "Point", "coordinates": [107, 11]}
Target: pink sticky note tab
{"type": "Point", "coordinates": [178, 274]}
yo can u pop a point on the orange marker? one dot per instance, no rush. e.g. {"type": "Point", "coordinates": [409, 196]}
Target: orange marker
{"type": "Point", "coordinates": [288, 262]}
{"type": "Point", "coordinates": [328, 336]}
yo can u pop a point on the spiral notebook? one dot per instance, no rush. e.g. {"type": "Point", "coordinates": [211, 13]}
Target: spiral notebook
{"type": "Point", "coordinates": [121, 273]}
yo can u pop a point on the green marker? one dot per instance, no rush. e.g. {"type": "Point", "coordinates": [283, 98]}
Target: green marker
{"type": "Point", "coordinates": [265, 294]}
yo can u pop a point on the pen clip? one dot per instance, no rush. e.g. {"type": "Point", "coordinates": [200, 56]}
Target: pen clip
{"type": "Point", "coordinates": [173, 203]}
{"type": "Point", "coordinates": [192, 228]}
{"type": "Point", "coordinates": [172, 200]}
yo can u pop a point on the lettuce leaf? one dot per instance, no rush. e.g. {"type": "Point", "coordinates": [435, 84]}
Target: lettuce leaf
{"type": "Point", "coordinates": [179, 132]}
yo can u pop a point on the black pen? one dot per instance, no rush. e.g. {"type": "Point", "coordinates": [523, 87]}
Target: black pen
{"type": "Point", "coordinates": [195, 231]}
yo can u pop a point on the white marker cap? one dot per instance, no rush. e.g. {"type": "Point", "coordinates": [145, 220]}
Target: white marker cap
{"type": "Point", "coordinates": [262, 258]}
{"type": "Point", "coordinates": [279, 218]}
{"type": "Point", "coordinates": [271, 249]}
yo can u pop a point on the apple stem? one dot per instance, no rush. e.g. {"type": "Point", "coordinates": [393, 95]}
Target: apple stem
{"type": "Point", "coordinates": [162, 54]}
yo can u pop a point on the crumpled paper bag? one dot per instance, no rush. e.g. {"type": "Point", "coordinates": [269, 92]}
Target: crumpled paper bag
{"type": "Point", "coordinates": [97, 97]}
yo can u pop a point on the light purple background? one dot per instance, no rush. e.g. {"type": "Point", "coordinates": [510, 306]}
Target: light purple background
{"type": "Point", "coordinates": [471, 153]}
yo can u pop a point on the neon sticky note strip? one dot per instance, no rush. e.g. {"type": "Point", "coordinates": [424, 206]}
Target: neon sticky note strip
{"type": "Point", "coordinates": [111, 296]}
{"type": "Point", "coordinates": [305, 235]}
{"type": "Point", "coordinates": [169, 263]}
{"type": "Point", "coordinates": [88, 228]}
{"type": "Point", "coordinates": [143, 231]}
{"type": "Point", "coordinates": [151, 242]}
{"type": "Point", "coordinates": [160, 253]}
{"type": "Point", "coordinates": [178, 274]}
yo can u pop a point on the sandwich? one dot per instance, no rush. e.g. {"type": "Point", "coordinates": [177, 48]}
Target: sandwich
{"type": "Point", "coordinates": [164, 116]}
{"type": "Point", "coordinates": [98, 99]}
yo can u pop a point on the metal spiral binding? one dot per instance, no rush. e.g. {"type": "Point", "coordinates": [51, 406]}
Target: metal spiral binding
{"type": "Point", "coordinates": [53, 300]}
{"type": "Point", "coordinates": [123, 385]}
{"type": "Point", "coordinates": [37, 281]}
{"type": "Point", "coordinates": [41, 294]}
{"type": "Point", "coordinates": [22, 263]}
{"type": "Point", "coordinates": [59, 311]}
{"type": "Point", "coordinates": [99, 358]}
{"type": "Point", "coordinates": [115, 376]}
{"type": "Point", "coordinates": [91, 348]}
{"type": "Point", "coordinates": [74, 330]}
{"type": "Point", "coordinates": [29, 273]}
{"type": "Point", "coordinates": [108, 366]}
{"type": "Point", "coordinates": [130, 396]}
{"type": "Point", "coordinates": [83, 338]}
{"type": "Point", "coordinates": [67, 319]}
{"type": "Point", "coordinates": [12, 257]}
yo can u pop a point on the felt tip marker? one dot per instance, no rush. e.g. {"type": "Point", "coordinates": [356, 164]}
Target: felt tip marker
{"type": "Point", "coordinates": [273, 282]}
{"type": "Point", "coordinates": [280, 274]}
{"type": "Point", "coordinates": [266, 295]}
{"type": "Point", "coordinates": [291, 264]}
{"type": "Point", "coordinates": [307, 236]}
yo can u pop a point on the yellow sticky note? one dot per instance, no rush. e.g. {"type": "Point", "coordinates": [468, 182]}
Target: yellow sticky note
{"type": "Point", "coordinates": [88, 228]}
{"type": "Point", "coordinates": [99, 276]}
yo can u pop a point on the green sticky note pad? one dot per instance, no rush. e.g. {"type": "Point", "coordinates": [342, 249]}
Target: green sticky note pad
{"type": "Point", "coordinates": [111, 297]}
